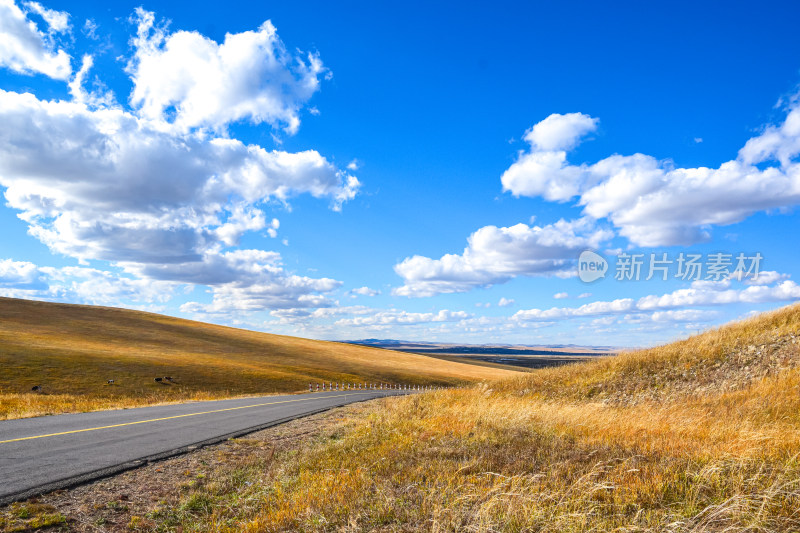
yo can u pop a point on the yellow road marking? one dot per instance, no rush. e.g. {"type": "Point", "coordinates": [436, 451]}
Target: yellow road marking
{"type": "Point", "coordinates": [172, 417]}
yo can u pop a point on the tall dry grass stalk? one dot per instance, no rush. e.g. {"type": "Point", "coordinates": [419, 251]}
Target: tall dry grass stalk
{"type": "Point", "coordinates": [700, 435]}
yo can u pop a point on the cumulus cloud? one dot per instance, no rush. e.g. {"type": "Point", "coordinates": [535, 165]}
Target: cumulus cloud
{"type": "Point", "coordinates": [683, 315]}
{"type": "Point", "coordinates": [102, 185]}
{"type": "Point", "coordinates": [765, 277]}
{"type": "Point", "coordinates": [24, 48]}
{"type": "Point", "coordinates": [560, 132]}
{"type": "Point", "coordinates": [652, 202]}
{"type": "Point", "coordinates": [495, 255]}
{"type": "Point", "coordinates": [395, 317]}
{"type": "Point", "coordinates": [304, 315]}
{"type": "Point", "coordinates": [560, 295]}
{"type": "Point", "coordinates": [241, 280]}
{"type": "Point", "coordinates": [506, 302]}
{"type": "Point", "coordinates": [100, 287]}
{"type": "Point", "coordinates": [544, 171]}
{"type": "Point", "coordinates": [364, 291]}
{"type": "Point", "coordinates": [21, 276]}
{"type": "Point", "coordinates": [22, 279]}
{"type": "Point", "coordinates": [166, 195]}
{"type": "Point", "coordinates": [622, 305]}
{"type": "Point", "coordinates": [191, 81]}
{"type": "Point", "coordinates": [699, 294]}
{"type": "Point", "coordinates": [779, 143]}
{"type": "Point", "coordinates": [720, 293]}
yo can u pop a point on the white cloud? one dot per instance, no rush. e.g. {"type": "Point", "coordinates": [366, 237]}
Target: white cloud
{"type": "Point", "coordinates": [560, 132]}
{"type": "Point", "coordinates": [103, 185]}
{"type": "Point", "coordinates": [99, 287]}
{"type": "Point", "coordinates": [57, 21]}
{"type": "Point", "coordinates": [244, 280]}
{"type": "Point", "coordinates": [250, 76]}
{"type": "Point", "coordinates": [544, 171]}
{"type": "Point", "coordinates": [93, 98]}
{"type": "Point", "coordinates": [684, 315]}
{"type": "Point", "coordinates": [353, 165]}
{"type": "Point", "coordinates": [652, 202]}
{"type": "Point", "coordinates": [364, 291]}
{"type": "Point", "coordinates": [699, 294]}
{"type": "Point", "coordinates": [584, 295]}
{"type": "Point", "coordinates": [26, 49]}
{"type": "Point", "coordinates": [560, 295]}
{"type": "Point", "coordinates": [506, 302]}
{"type": "Point", "coordinates": [305, 315]}
{"type": "Point", "coordinates": [90, 29]}
{"type": "Point", "coordinates": [495, 255]}
{"type": "Point", "coordinates": [766, 277]}
{"type": "Point", "coordinates": [21, 275]}
{"type": "Point", "coordinates": [622, 305]}
{"type": "Point", "coordinates": [545, 174]}
{"type": "Point", "coordinates": [241, 220]}
{"type": "Point", "coordinates": [779, 143]}
{"type": "Point", "coordinates": [21, 279]}
{"type": "Point", "coordinates": [720, 293]}
{"type": "Point", "coordinates": [395, 317]}
{"type": "Point", "coordinates": [165, 197]}
{"type": "Point", "coordinates": [272, 230]}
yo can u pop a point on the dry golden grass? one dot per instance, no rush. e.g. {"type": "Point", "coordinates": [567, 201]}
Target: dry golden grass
{"type": "Point", "coordinates": [726, 358]}
{"type": "Point", "coordinates": [72, 350]}
{"type": "Point", "coordinates": [582, 448]}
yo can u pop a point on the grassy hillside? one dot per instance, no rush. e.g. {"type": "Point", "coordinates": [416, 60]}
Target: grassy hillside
{"type": "Point", "coordinates": [699, 435]}
{"type": "Point", "coordinates": [72, 350]}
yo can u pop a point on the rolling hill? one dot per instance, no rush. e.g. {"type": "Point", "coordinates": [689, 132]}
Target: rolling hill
{"type": "Point", "coordinates": [700, 435]}
{"type": "Point", "coordinates": [71, 351]}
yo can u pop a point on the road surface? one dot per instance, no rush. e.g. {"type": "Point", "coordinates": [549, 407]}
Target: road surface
{"type": "Point", "coordinates": [46, 453]}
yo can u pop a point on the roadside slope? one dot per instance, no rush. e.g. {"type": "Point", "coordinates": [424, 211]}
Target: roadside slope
{"type": "Point", "coordinates": [699, 435]}
{"type": "Point", "coordinates": [72, 350]}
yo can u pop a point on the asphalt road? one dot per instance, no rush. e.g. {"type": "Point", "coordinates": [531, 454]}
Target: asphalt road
{"type": "Point", "coordinates": [42, 454]}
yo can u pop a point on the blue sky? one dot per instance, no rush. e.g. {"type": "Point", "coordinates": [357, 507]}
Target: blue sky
{"type": "Point", "coordinates": [355, 170]}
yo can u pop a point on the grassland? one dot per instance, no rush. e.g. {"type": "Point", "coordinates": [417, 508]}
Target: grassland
{"type": "Point", "coordinates": [71, 351]}
{"type": "Point", "coordinates": [700, 435]}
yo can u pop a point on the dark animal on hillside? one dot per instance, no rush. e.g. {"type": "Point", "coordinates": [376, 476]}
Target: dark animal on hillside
{"type": "Point", "coordinates": [110, 381]}
{"type": "Point", "coordinates": [158, 380]}
{"type": "Point", "coordinates": [37, 388]}
{"type": "Point", "coordinates": [167, 378]}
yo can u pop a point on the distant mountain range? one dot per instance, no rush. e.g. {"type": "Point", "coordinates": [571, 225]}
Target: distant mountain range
{"type": "Point", "coordinates": [486, 349]}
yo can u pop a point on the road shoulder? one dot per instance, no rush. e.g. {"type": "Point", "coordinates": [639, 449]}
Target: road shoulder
{"type": "Point", "coordinates": [124, 502]}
